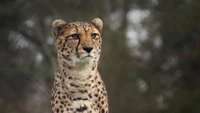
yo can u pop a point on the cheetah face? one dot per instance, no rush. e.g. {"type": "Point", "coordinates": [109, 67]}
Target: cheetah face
{"type": "Point", "coordinates": [78, 43]}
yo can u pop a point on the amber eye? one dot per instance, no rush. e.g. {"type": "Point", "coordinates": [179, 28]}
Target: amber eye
{"type": "Point", "coordinates": [75, 36]}
{"type": "Point", "coordinates": [94, 35]}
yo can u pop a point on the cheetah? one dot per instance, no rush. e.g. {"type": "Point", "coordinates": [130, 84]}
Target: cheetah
{"type": "Point", "coordinates": [78, 87]}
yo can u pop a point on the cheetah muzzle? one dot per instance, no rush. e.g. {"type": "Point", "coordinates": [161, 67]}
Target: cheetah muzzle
{"type": "Point", "coordinates": [78, 87]}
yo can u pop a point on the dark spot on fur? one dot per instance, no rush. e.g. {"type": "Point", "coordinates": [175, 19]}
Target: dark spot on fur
{"type": "Point", "coordinates": [59, 42]}
{"type": "Point", "coordinates": [57, 110]}
{"type": "Point", "coordinates": [72, 91]}
{"type": "Point", "coordinates": [93, 68]}
{"type": "Point", "coordinates": [81, 109]}
{"type": "Point", "coordinates": [99, 98]}
{"type": "Point", "coordinates": [66, 57]}
{"type": "Point", "coordinates": [90, 96]}
{"type": "Point", "coordinates": [69, 67]}
{"type": "Point", "coordinates": [83, 91]}
{"type": "Point", "coordinates": [89, 76]}
{"type": "Point", "coordinates": [73, 85]}
{"type": "Point", "coordinates": [96, 95]}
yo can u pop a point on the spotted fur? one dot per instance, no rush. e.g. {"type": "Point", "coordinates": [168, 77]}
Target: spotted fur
{"type": "Point", "coordinates": [78, 87]}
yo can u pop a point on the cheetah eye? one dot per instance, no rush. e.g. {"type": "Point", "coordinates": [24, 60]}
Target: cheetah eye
{"type": "Point", "coordinates": [94, 35]}
{"type": "Point", "coordinates": [75, 36]}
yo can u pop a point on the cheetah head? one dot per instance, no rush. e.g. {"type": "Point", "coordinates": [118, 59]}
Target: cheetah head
{"type": "Point", "coordinates": [78, 43]}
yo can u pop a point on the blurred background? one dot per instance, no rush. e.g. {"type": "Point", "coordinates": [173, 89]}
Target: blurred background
{"type": "Point", "coordinates": [150, 60]}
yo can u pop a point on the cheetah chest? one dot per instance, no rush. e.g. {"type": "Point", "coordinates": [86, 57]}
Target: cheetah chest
{"type": "Point", "coordinates": [72, 95]}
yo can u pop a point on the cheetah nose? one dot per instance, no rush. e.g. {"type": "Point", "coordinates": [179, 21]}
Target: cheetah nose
{"type": "Point", "coordinates": [87, 48]}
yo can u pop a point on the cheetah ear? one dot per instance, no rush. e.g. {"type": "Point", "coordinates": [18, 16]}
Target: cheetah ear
{"type": "Point", "coordinates": [56, 26]}
{"type": "Point", "coordinates": [98, 23]}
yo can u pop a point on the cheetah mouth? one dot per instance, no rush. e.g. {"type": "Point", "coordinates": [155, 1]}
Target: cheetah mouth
{"type": "Point", "coordinates": [88, 56]}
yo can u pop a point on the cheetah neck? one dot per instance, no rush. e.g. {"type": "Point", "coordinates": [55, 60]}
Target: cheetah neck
{"type": "Point", "coordinates": [77, 83]}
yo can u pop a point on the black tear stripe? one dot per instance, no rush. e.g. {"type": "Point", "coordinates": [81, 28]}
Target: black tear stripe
{"type": "Point", "coordinates": [79, 40]}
